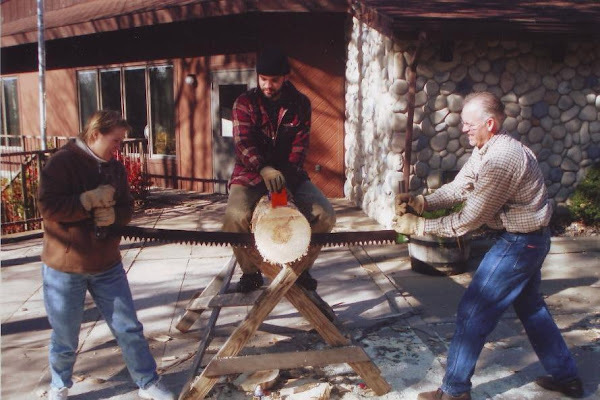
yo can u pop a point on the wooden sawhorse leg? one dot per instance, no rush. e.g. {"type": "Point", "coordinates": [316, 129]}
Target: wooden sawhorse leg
{"type": "Point", "coordinates": [192, 311]}
{"type": "Point", "coordinates": [282, 285]}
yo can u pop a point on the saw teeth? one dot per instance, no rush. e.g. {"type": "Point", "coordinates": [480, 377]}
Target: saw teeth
{"type": "Point", "coordinates": [220, 239]}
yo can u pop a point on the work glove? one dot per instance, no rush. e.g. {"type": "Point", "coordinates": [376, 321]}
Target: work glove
{"type": "Point", "coordinates": [104, 216]}
{"type": "Point", "coordinates": [273, 178]}
{"type": "Point", "coordinates": [417, 203]}
{"type": "Point", "coordinates": [409, 224]}
{"type": "Point", "coordinates": [102, 196]}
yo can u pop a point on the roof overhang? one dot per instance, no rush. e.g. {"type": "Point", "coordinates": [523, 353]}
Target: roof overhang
{"type": "Point", "coordinates": [111, 15]}
{"type": "Point", "coordinates": [472, 19]}
{"type": "Point", "coordinates": [441, 19]}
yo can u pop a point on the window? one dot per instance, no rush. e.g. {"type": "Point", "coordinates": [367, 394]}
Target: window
{"type": "Point", "coordinates": [110, 83]}
{"type": "Point", "coordinates": [161, 110]}
{"type": "Point", "coordinates": [135, 101]}
{"type": "Point", "coordinates": [226, 86]}
{"type": "Point", "coordinates": [227, 96]}
{"type": "Point", "coordinates": [11, 128]}
{"type": "Point", "coordinates": [87, 82]}
{"type": "Point", "coordinates": [143, 94]}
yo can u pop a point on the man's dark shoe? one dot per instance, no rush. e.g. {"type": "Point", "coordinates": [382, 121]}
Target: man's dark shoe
{"type": "Point", "coordinates": [572, 388]}
{"type": "Point", "coordinates": [440, 395]}
{"type": "Point", "coordinates": [249, 282]}
{"type": "Point", "coordinates": [307, 281]}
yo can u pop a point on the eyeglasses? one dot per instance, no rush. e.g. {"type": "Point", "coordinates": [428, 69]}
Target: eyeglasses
{"type": "Point", "coordinates": [470, 126]}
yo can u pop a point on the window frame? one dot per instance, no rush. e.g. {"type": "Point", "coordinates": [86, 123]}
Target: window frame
{"type": "Point", "coordinates": [123, 110]}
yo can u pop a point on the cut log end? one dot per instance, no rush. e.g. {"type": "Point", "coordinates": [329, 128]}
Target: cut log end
{"type": "Point", "coordinates": [282, 234]}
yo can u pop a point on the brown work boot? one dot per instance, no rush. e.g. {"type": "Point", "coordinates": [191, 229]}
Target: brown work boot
{"type": "Point", "coordinates": [249, 282]}
{"type": "Point", "coordinates": [440, 395]}
{"type": "Point", "coordinates": [572, 388]}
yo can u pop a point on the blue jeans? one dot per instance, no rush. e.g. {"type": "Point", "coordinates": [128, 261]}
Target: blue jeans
{"type": "Point", "coordinates": [508, 274]}
{"type": "Point", "coordinates": [64, 296]}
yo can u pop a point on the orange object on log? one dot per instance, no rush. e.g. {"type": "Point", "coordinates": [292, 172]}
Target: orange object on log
{"type": "Point", "coordinates": [278, 198]}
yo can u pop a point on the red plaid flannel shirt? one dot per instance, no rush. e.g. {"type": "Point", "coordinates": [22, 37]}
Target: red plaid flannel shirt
{"type": "Point", "coordinates": [259, 142]}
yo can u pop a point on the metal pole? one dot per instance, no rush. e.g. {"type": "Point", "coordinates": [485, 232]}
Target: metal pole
{"type": "Point", "coordinates": [42, 72]}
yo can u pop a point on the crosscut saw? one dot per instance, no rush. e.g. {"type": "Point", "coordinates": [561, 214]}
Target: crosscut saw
{"type": "Point", "coordinates": [217, 238]}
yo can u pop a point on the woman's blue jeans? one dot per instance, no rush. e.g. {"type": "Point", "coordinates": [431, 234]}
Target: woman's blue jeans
{"type": "Point", "coordinates": [508, 274]}
{"type": "Point", "coordinates": [64, 296]}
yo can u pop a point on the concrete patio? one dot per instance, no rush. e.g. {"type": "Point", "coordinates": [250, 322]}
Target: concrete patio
{"type": "Point", "coordinates": [404, 320]}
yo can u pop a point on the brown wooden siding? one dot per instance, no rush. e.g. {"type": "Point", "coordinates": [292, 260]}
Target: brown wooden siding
{"type": "Point", "coordinates": [62, 111]}
{"type": "Point", "coordinates": [29, 104]}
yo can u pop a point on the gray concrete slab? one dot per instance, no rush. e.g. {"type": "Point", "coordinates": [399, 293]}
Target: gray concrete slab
{"type": "Point", "coordinates": [404, 320]}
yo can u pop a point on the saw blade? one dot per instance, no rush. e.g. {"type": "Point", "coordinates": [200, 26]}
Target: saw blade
{"type": "Point", "coordinates": [204, 238]}
{"type": "Point", "coordinates": [356, 238]}
{"type": "Point", "coordinates": [217, 238]}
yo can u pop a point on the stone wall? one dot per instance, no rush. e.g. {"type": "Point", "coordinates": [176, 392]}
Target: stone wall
{"type": "Point", "coordinates": [552, 107]}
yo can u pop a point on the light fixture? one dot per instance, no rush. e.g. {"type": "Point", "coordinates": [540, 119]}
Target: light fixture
{"type": "Point", "coordinates": [190, 79]}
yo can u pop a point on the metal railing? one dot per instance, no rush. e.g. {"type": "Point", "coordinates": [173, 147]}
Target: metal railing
{"type": "Point", "coordinates": [11, 143]}
{"type": "Point", "coordinates": [20, 167]}
{"type": "Point", "coordinates": [20, 173]}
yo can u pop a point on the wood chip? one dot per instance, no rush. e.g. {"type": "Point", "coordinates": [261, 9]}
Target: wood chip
{"type": "Point", "coordinates": [265, 379]}
{"type": "Point", "coordinates": [163, 338]}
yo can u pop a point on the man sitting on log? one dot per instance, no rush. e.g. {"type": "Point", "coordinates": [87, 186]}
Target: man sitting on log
{"type": "Point", "coordinates": [271, 130]}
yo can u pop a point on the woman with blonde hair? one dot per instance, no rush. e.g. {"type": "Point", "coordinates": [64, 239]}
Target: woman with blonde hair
{"type": "Point", "coordinates": [83, 191]}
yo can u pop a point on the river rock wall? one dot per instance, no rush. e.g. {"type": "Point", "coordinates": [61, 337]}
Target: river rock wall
{"type": "Point", "coordinates": [552, 106]}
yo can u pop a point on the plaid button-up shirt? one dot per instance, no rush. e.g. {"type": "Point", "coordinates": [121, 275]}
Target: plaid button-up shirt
{"type": "Point", "coordinates": [259, 142]}
{"type": "Point", "coordinates": [501, 185]}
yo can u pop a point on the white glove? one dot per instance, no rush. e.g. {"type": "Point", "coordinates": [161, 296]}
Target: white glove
{"type": "Point", "coordinates": [273, 178]}
{"type": "Point", "coordinates": [409, 224]}
{"type": "Point", "coordinates": [102, 196]}
{"type": "Point", "coordinates": [104, 216]}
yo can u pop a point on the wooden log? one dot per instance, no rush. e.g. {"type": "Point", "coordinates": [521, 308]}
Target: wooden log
{"type": "Point", "coordinates": [282, 234]}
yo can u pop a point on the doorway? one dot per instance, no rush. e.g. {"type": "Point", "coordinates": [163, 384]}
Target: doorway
{"type": "Point", "coordinates": [226, 87]}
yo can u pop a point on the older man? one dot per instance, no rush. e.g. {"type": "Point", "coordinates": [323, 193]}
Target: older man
{"type": "Point", "coordinates": [501, 186]}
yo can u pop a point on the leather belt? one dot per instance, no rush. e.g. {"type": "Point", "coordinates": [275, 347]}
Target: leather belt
{"type": "Point", "coordinates": [540, 231]}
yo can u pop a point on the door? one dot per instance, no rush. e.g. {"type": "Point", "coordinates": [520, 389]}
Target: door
{"type": "Point", "coordinates": [226, 87]}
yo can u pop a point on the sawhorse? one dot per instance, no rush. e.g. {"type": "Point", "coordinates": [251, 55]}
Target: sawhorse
{"type": "Point", "coordinates": [309, 304]}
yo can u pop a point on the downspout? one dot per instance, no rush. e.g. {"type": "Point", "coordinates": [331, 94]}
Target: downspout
{"type": "Point", "coordinates": [42, 72]}
{"type": "Point", "coordinates": [412, 88]}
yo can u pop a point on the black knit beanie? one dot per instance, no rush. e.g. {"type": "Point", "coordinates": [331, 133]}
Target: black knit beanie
{"type": "Point", "coordinates": [272, 62]}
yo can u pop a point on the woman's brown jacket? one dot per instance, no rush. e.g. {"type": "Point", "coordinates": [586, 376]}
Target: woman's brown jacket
{"type": "Point", "coordinates": [70, 244]}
